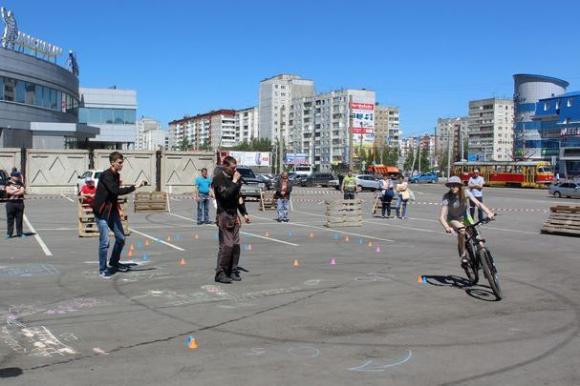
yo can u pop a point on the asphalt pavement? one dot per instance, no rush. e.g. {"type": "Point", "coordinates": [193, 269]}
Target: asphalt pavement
{"type": "Point", "coordinates": [384, 303]}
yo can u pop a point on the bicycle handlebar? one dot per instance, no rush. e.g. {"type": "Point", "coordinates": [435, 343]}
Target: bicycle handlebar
{"type": "Point", "coordinates": [483, 221]}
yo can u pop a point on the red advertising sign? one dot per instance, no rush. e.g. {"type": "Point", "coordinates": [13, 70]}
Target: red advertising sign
{"type": "Point", "coordinates": [362, 106]}
{"type": "Point", "coordinates": [361, 130]}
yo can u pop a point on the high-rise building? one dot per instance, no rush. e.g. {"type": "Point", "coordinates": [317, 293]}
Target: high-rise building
{"type": "Point", "coordinates": [534, 139]}
{"type": "Point", "coordinates": [331, 128]}
{"type": "Point", "coordinates": [275, 98]}
{"type": "Point", "coordinates": [112, 110]}
{"type": "Point", "coordinates": [387, 129]}
{"type": "Point", "coordinates": [450, 137]}
{"type": "Point", "coordinates": [246, 124]}
{"type": "Point", "coordinates": [212, 130]}
{"type": "Point", "coordinates": [144, 126]}
{"type": "Point", "coordinates": [491, 129]}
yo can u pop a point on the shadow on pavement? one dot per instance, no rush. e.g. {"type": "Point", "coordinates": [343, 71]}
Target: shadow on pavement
{"type": "Point", "coordinates": [478, 291]}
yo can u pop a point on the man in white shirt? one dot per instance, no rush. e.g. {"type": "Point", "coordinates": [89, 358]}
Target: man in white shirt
{"type": "Point", "coordinates": [475, 186]}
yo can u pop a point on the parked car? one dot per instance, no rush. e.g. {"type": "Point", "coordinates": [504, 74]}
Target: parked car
{"type": "Point", "coordinates": [3, 181]}
{"type": "Point", "coordinates": [251, 185]}
{"type": "Point", "coordinates": [264, 179]}
{"type": "Point", "coordinates": [424, 178]}
{"type": "Point", "coordinates": [565, 189]}
{"type": "Point", "coordinates": [94, 174]}
{"type": "Point", "coordinates": [315, 179]}
{"type": "Point", "coordinates": [368, 182]}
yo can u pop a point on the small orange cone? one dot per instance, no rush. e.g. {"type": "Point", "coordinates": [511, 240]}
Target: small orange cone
{"type": "Point", "coordinates": [420, 279]}
{"type": "Point", "coordinates": [196, 236]}
{"type": "Point", "coordinates": [168, 238]}
{"type": "Point", "coordinates": [130, 254]}
{"type": "Point", "coordinates": [146, 243]}
{"type": "Point", "coordinates": [192, 343]}
{"type": "Point", "coordinates": [311, 235]}
{"type": "Point", "coordinates": [370, 244]}
{"type": "Point", "coordinates": [347, 239]}
{"type": "Point", "coordinates": [296, 263]}
{"type": "Point", "coordinates": [131, 247]}
{"type": "Point", "coordinates": [182, 261]}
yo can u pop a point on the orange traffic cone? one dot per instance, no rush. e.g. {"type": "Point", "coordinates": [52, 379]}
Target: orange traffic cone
{"type": "Point", "coordinates": [131, 247]}
{"type": "Point", "coordinates": [192, 345]}
{"type": "Point", "coordinates": [182, 261]}
{"type": "Point", "coordinates": [347, 239]}
{"type": "Point", "coordinates": [146, 243]}
{"type": "Point", "coordinates": [296, 263]}
{"type": "Point", "coordinates": [130, 254]}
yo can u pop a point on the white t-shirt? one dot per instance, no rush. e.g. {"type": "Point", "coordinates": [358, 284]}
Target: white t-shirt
{"type": "Point", "coordinates": [476, 181]}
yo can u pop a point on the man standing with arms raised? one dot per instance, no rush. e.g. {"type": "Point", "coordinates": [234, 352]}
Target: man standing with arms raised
{"type": "Point", "coordinates": [107, 215]}
{"type": "Point", "coordinates": [226, 185]}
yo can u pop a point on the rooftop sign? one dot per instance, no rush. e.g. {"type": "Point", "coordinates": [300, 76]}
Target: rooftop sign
{"type": "Point", "coordinates": [16, 40]}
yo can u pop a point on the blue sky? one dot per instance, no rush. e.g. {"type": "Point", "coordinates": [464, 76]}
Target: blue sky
{"type": "Point", "coordinates": [427, 57]}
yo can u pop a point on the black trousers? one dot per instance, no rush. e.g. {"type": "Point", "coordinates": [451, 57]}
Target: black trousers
{"type": "Point", "coordinates": [14, 212]}
{"type": "Point", "coordinates": [386, 207]}
{"type": "Point", "coordinates": [229, 247]}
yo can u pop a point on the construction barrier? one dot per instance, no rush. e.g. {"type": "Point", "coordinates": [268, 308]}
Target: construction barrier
{"type": "Point", "coordinates": [267, 201]}
{"type": "Point", "coordinates": [344, 213]}
{"type": "Point", "coordinates": [563, 220]}
{"type": "Point", "coordinates": [87, 224]}
{"type": "Point", "coordinates": [150, 202]}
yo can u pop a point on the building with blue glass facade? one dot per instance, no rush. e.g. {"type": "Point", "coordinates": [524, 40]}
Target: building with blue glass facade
{"type": "Point", "coordinates": [559, 119]}
{"type": "Point", "coordinates": [535, 139]}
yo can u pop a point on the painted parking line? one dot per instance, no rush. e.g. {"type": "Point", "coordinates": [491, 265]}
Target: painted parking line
{"type": "Point", "coordinates": [39, 240]}
{"type": "Point", "coordinates": [157, 240]}
{"type": "Point", "coordinates": [332, 230]}
{"type": "Point", "coordinates": [247, 233]}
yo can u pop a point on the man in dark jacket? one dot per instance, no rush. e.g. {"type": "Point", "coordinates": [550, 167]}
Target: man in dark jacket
{"type": "Point", "coordinates": [226, 185]}
{"type": "Point", "coordinates": [14, 204]}
{"type": "Point", "coordinates": [107, 215]}
{"type": "Point", "coordinates": [282, 196]}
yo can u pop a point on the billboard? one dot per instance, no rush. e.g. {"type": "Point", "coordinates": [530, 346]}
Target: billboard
{"type": "Point", "coordinates": [296, 158]}
{"type": "Point", "coordinates": [362, 124]}
{"type": "Point", "coordinates": [251, 158]}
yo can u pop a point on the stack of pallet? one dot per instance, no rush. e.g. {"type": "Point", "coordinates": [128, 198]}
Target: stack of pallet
{"type": "Point", "coordinates": [150, 202]}
{"type": "Point", "coordinates": [564, 220]}
{"type": "Point", "coordinates": [344, 213]}
{"type": "Point", "coordinates": [88, 226]}
{"type": "Point", "coordinates": [267, 200]}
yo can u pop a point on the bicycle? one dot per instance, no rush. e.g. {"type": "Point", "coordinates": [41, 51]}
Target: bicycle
{"type": "Point", "coordinates": [480, 258]}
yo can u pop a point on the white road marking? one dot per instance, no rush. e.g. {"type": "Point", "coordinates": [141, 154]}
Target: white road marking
{"type": "Point", "coordinates": [39, 240]}
{"type": "Point", "coordinates": [67, 198]}
{"type": "Point", "coordinates": [246, 233]}
{"type": "Point", "coordinates": [332, 230]}
{"type": "Point", "coordinates": [157, 240]}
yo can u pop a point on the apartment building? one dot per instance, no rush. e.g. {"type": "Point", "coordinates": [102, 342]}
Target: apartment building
{"type": "Point", "coordinates": [330, 126]}
{"type": "Point", "coordinates": [387, 129]}
{"type": "Point", "coordinates": [491, 129]}
{"type": "Point", "coordinates": [275, 99]}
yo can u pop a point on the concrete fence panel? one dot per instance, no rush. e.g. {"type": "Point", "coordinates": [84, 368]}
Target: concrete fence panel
{"type": "Point", "coordinates": [179, 169]}
{"type": "Point", "coordinates": [139, 165]}
{"type": "Point", "coordinates": [9, 158]}
{"type": "Point", "coordinates": [54, 171]}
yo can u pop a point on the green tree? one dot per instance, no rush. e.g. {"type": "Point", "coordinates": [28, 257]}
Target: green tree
{"type": "Point", "coordinates": [184, 144]}
{"type": "Point", "coordinates": [408, 165]}
{"type": "Point", "coordinates": [425, 162]}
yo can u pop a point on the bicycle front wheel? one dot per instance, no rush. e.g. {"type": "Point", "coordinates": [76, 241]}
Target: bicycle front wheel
{"type": "Point", "coordinates": [490, 272]}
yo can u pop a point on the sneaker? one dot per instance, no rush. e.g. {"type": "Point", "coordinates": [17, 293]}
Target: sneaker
{"type": "Point", "coordinates": [121, 267]}
{"type": "Point", "coordinates": [105, 275]}
{"type": "Point", "coordinates": [199, 223]}
{"type": "Point", "coordinates": [221, 277]}
{"type": "Point", "coordinates": [285, 220]}
{"type": "Point", "coordinates": [8, 237]}
{"type": "Point", "coordinates": [208, 222]}
{"type": "Point", "coordinates": [236, 275]}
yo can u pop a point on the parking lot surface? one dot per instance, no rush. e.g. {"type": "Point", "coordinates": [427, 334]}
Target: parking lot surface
{"type": "Point", "coordinates": [385, 303]}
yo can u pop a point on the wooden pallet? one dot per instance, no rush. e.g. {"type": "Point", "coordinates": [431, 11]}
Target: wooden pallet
{"type": "Point", "coordinates": [563, 220]}
{"type": "Point", "coordinates": [267, 201]}
{"type": "Point", "coordinates": [150, 202]}
{"type": "Point", "coordinates": [87, 225]}
{"type": "Point", "coordinates": [344, 213]}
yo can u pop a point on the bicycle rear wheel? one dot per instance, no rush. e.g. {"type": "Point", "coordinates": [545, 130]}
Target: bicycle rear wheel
{"type": "Point", "coordinates": [490, 272]}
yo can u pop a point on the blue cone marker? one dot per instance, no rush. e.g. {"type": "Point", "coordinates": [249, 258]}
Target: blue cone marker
{"type": "Point", "coordinates": [360, 241]}
{"type": "Point", "coordinates": [145, 257]}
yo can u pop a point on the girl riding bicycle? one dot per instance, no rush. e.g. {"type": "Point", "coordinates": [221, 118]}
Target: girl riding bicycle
{"type": "Point", "coordinates": [455, 212]}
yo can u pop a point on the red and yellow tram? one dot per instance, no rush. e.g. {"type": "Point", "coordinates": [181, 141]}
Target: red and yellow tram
{"type": "Point", "coordinates": [525, 174]}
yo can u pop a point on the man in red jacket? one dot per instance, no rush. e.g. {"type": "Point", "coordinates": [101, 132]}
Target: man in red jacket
{"type": "Point", "coordinates": [107, 215]}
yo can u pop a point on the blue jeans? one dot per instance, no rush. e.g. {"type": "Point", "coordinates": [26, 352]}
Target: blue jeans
{"type": "Point", "coordinates": [104, 224]}
{"type": "Point", "coordinates": [282, 206]}
{"type": "Point", "coordinates": [203, 208]}
{"type": "Point", "coordinates": [403, 203]}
